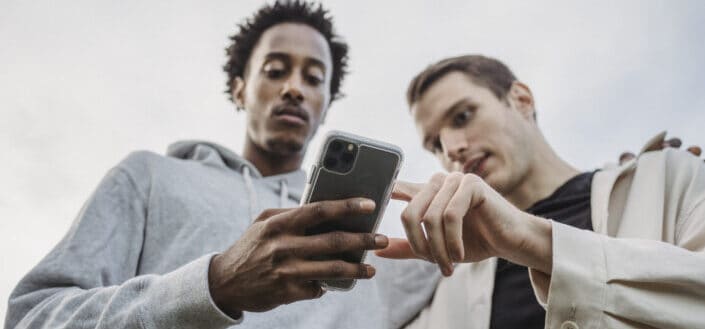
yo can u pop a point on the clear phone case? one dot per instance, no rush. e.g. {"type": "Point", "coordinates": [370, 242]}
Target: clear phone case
{"type": "Point", "coordinates": [370, 174]}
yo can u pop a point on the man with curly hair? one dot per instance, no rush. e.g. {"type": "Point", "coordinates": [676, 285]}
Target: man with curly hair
{"type": "Point", "coordinates": [182, 241]}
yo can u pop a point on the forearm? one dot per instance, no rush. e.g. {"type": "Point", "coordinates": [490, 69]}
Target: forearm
{"type": "Point", "coordinates": [178, 299]}
{"type": "Point", "coordinates": [531, 244]}
{"type": "Point", "coordinates": [609, 279]}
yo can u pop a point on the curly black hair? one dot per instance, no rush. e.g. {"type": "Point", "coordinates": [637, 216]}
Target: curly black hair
{"type": "Point", "coordinates": [283, 11]}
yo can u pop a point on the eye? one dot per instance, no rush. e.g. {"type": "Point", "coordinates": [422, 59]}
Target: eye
{"type": "Point", "coordinates": [274, 69]}
{"type": "Point", "coordinates": [313, 75]}
{"type": "Point", "coordinates": [275, 73]}
{"type": "Point", "coordinates": [313, 80]}
{"type": "Point", "coordinates": [462, 117]}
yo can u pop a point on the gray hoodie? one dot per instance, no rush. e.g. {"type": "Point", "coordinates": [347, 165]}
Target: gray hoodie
{"type": "Point", "coordinates": [137, 255]}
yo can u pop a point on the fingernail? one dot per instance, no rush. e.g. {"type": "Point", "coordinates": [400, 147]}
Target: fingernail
{"type": "Point", "coordinates": [381, 240]}
{"type": "Point", "coordinates": [444, 270]}
{"type": "Point", "coordinates": [367, 204]}
{"type": "Point", "coordinates": [447, 270]}
{"type": "Point", "coordinates": [370, 271]}
{"type": "Point", "coordinates": [675, 142]}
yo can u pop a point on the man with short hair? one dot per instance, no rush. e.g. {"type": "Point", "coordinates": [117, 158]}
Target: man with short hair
{"type": "Point", "coordinates": [621, 247]}
{"type": "Point", "coordinates": [182, 241]}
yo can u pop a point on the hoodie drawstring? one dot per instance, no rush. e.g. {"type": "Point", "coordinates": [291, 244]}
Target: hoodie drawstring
{"type": "Point", "coordinates": [251, 192]}
{"type": "Point", "coordinates": [254, 207]}
{"type": "Point", "coordinates": [284, 194]}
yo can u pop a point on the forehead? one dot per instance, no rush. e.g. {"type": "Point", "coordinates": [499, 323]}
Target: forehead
{"type": "Point", "coordinates": [445, 92]}
{"type": "Point", "coordinates": [297, 40]}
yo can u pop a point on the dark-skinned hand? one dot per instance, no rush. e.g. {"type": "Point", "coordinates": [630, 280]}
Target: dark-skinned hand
{"type": "Point", "coordinates": [271, 264]}
{"type": "Point", "coordinates": [657, 145]}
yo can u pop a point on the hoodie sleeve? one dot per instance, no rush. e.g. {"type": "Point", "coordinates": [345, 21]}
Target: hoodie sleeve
{"type": "Point", "coordinates": [89, 280]}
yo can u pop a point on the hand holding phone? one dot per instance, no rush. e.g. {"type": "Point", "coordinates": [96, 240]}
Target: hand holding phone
{"type": "Point", "coordinates": [350, 166]}
{"type": "Point", "coordinates": [272, 263]}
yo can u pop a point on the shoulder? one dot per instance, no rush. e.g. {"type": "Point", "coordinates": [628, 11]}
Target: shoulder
{"type": "Point", "coordinates": [142, 168]}
{"type": "Point", "coordinates": [675, 171]}
{"type": "Point", "coordinates": [140, 163]}
{"type": "Point", "coordinates": [682, 173]}
{"type": "Point", "coordinates": [675, 164]}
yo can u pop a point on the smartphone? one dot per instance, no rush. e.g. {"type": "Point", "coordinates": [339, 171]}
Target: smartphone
{"type": "Point", "coordinates": [350, 166]}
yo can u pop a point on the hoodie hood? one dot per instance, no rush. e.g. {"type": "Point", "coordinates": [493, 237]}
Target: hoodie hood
{"type": "Point", "coordinates": [218, 156]}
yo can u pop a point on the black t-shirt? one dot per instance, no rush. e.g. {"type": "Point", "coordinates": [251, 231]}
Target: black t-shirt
{"type": "Point", "coordinates": [514, 304]}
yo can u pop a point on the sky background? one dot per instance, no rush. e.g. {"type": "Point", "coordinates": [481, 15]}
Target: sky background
{"type": "Point", "coordinates": [83, 83]}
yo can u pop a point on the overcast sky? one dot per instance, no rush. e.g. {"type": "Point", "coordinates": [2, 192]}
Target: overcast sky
{"type": "Point", "coordinates": [83, 83]}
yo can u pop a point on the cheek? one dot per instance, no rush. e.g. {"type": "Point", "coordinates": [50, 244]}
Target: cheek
{"type": "Point", "coordinates": [317, 101]}
{"type": "Point", "coordinates": [260, 93]}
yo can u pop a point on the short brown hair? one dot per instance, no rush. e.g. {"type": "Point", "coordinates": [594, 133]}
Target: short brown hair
{"type": "Point", "coordinates": [485, 71]}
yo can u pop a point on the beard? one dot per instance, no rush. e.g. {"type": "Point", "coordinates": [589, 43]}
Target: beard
{"type": "Point", "coordinates": [284, 146]}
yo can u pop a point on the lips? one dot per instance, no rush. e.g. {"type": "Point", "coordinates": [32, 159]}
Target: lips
{"type": "Point", "coordinates": [291, 114]}
{"type": "Point", "coordinates": [476, 164]}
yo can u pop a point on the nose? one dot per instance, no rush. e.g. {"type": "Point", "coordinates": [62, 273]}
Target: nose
{"type": "Point", "coordinates": [454, 144]}
{"type": "Point", "coordinates": [292, 89]}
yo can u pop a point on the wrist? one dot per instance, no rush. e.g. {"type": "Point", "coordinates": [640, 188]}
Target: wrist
{"type": "Point", "coordinates": [531, 244]}
{"type": "Point", "coordinates": [215, 290]}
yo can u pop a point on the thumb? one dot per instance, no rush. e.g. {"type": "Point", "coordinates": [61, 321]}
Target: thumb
{"type": "Point", "coordinates": [397, 249]}
{"type": "Point", "coordinates": [405, 191]}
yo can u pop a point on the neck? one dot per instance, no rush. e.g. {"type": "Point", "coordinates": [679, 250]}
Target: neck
{"type": "Point", "coordinates": [269, 163]}
{"type": "Point", "coordinates": [547, 172]}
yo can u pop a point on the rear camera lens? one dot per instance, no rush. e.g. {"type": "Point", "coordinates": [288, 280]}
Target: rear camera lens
{"type": "Point", "coordinates": [348, 157]}
{"type": "Point", "coordinates": [330, 162]}
{"type": "Point", "coordinates": [336, 146]}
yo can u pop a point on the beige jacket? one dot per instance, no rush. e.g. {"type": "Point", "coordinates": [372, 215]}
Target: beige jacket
{"type": "Point", "coordinates": [642, 267]}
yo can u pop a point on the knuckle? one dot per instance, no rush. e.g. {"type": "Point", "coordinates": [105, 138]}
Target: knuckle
{"type": "Point", "coordinates": [454, 176]}
{"type": "Point", "coordinates": [280, 275]}
{"type": "Point", "coordinates": [431, 218]}
{"type": "Point", "coordinates": [437, 179]}
{"type": "Point", "coordinates": [337, 269]}
{"type": "Point", "coordinates": [291, 272]}
{"type": "Point", "coordinates": [450, 216]}
{"type": "Point", "coordinates": [272, 227]}
{"type": "Point", "coordinates": [336, 240]}
{"type": "Point", "coordinates": [319, 209]}
{"type": "Point", "coordinates": [351, 205]}
{"type": "Point", "coordinates": [408, 216]}
{"type": "Point", "coordinates": [266, 213]}
{"type": "Point", "coordinates": [278, 251]}
{"type": "Point", "coordinates": [294, 251]}
{"type": "Point", "coordinates": [471, 179]}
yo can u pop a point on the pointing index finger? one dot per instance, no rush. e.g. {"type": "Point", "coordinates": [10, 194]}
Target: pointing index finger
{"type": "Point", "coordinates": [405, 191]}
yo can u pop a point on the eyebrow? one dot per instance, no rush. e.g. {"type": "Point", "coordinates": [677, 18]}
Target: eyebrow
{"type": "Point", "coordinates": [448, 112]}
{"type": "Point", "coordinates": [285, 57]}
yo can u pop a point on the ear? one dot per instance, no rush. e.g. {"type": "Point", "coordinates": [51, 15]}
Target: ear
{"type": "Point", "coordinates": [238, 93]}
{"type": "Point", "coordinates": [520, 96]}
